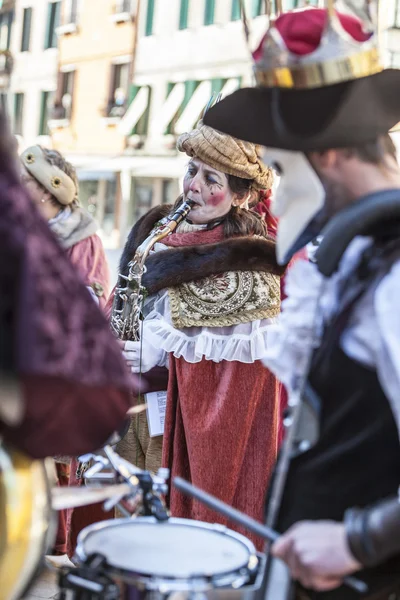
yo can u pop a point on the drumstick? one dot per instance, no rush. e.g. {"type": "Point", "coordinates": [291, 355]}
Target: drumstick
{"type": "Point", "coordinates": [224, 509]}
{"type": "Point", "coordinates": [251, 524]}
{"type": "Point", "coordinates": [73, 497]}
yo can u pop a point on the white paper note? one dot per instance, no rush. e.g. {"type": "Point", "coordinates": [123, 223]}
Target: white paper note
{"type": "Point", "coordinates": [156, 407]}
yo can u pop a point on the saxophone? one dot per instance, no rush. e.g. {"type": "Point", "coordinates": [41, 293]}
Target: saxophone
{"type": "Point", "coordinates": [129, 292]}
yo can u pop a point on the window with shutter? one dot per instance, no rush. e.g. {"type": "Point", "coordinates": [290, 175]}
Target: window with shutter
{"type": "Point", "coordinates": [190, 88]}
{"type": "Point", "coordinates": [184, 14]}
{"type": "Point", "coordinates": [53, 21]}
{"type": "Point", "coordinates": [258, 8]}
{"type": "Point", "coordinates": [46, 102]}
{"type": "Point", "coordinates": [149, 17]}
{"type": "Point", "coordinates": [68, 93]}
{"type": "Point", "coordinates": [72, 12]}
{"type": "Point", "coordinates": [142, 126]}
{"type": "Point", "coordinates": [19, 113]}
{"type": "Point", "coordinates": [209, 12]}
{"type": "Point", "coordinates": [26, 29]}
{"type": "Point", "coordinates": [6, 20]}
{"type": "Point", "coordinates": [119, 86]}
{"type": "Point", "coordinates": [3, 102]}
{"type": "Point", "coordinates": [63, 103]}
{"type": "Point", "coordinates": [235, 10]}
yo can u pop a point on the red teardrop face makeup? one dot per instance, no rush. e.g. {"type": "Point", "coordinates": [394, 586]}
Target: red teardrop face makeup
{"type": "Point", "coordinates": [209, 190]}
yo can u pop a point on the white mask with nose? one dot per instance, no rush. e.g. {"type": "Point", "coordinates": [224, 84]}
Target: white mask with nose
{"type": "Point", "coordinates": [299, 196]}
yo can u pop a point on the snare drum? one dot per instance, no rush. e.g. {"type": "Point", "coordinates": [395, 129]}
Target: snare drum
{"type": "Point", "coordinates": [146, 557]}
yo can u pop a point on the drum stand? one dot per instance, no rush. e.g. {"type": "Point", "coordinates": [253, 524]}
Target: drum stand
{"type": "Point", "coordinates": [88, 582]}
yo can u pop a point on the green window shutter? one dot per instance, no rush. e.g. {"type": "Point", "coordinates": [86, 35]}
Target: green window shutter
{"type": "Point", "coordinates": [53, 21]}
{"type": "Point", "coordinates": [170, 87]}
{"type": "Point", "coordinates": [209, 12]}
{"type": "Point", "coordinates": [170, 126]}
{"type": "Point", "coordinates": [26, 30]}
{"type": "Point", "coordinates": [190, 88]}
{"type": "Point", "coordinates": [236, 10]}
{"type": "Point", "coordinates": [257, 8]}
{"type": "Point", "coordinates": [44, 100]}
{"type": "Point", "coordinates": [142, 126]}
{"type": "Point", "coordinates": [48, 23]}
{"type": "Point", "coordinates": [18, 113]}
{"type": "Point", "coordinates": [10, 24]}
{"type": "Point", "coordinates": [149, 17]}
{"type": "Point", "coordinates": [133, 93]}
{"type": "Point", "coordinates": [184, 14]}
{"type": "Point", "coordinates": [217, 85]}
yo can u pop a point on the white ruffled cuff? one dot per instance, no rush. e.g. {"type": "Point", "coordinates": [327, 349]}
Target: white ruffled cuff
{"type": "Point", "coordinates": [298, 329]}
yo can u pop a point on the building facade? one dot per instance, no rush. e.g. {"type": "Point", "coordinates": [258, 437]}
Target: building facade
{"type": "Point", "coordinates": [187, 51]}
{"type": "Point", "coordinates": [34, 79]}
{"type": "Point", "coordinates": [7, 14]}
{"type": "Point", "coordinates": [96, 40]}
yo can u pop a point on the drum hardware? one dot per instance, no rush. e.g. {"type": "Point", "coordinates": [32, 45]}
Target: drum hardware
{"type": "Point", "coordinates": [267, 533]}
{"type": "Point", "coordinates": [146, 490]}
{"type": "Point", "coordinates": [89, 581]}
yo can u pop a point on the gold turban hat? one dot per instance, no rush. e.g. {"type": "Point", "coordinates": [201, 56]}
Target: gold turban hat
{"type": "Point", "coordinates": [226, 154]}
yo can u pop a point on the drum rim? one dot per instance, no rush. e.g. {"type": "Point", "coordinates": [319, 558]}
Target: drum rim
{"type": "Point", "coordinates": [250, 565]}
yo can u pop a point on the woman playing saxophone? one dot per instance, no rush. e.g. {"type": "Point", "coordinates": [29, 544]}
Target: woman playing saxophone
{"type": "Point", "coordinates": [212, 291]}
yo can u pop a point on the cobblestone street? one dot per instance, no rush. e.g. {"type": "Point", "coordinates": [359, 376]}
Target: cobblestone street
{"type": "Point", "coordinates": [46, 587]}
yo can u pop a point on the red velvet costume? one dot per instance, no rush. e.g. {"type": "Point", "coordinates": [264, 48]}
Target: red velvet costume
{"type": "Point", "coordinates": [221, 429]}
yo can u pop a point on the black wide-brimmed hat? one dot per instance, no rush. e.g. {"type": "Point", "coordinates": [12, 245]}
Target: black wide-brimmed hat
{"type": "Point", "coordinates": [319, 85]}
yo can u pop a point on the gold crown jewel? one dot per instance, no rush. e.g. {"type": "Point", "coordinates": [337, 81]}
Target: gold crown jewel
{"type": "Point", "coordinates": [338, 58]}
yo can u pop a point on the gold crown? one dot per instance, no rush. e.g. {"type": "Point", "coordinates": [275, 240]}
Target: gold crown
{"type": "Point", "coordinates": [338, 58]}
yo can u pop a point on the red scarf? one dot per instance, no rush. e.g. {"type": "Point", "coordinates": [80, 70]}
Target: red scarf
{"type": "Point", "coordinates": [195, 238]}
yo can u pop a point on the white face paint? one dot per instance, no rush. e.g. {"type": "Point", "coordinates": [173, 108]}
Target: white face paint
{"type": "Point", "coordinates": [299, 197]}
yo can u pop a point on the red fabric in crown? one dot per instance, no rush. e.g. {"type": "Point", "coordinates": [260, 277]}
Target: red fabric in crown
{"type": "Point", "coordinates": [302, 30]}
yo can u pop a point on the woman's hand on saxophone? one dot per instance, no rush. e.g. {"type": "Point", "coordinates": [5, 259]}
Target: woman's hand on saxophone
{"type": "Point", "coordinates": [141, 356]}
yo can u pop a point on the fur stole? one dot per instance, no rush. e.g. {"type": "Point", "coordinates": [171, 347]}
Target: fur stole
{"type": "Point", "coordinates": [190, 263]}
{"type": "Point", "coordinates": [73, 226]}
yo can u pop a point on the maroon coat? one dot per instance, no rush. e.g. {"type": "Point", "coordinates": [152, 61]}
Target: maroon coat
{"type": "Point", "coordinates": [75, 387]}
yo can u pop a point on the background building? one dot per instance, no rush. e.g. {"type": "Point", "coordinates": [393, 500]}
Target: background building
{"type": "Point", "coordinates": [7, 8]}
{"type": "Point", "coordinates": [34, 80]}
{"type": "Point", "coordinates": [186, 50]}
{"type": "Point", "coordinates": [96, 40]}
{"type": "Point", "coordinates": [112, 84]}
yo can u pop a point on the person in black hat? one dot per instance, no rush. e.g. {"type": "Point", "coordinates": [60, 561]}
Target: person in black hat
{"type": "Point", "coordinates": [322, 109]}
